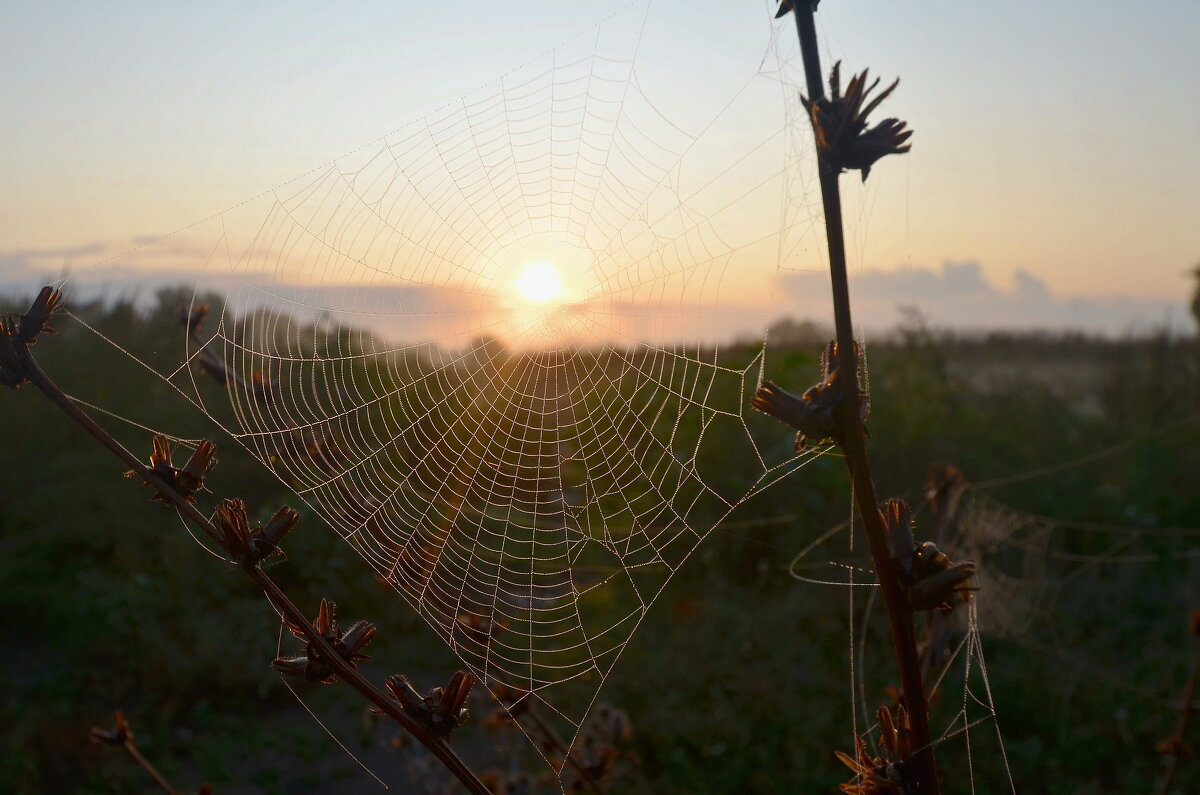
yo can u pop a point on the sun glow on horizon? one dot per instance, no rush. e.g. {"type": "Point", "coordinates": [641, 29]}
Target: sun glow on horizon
{"type": "Point", "coordinates": [540, 283]}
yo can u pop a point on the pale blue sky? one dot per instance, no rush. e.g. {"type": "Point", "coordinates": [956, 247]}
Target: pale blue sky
{"type": "Point", "coordinates": [1056, 138]}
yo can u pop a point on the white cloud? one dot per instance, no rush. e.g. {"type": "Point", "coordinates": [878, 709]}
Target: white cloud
{"type": "Point", "coordinates": [959, 296]}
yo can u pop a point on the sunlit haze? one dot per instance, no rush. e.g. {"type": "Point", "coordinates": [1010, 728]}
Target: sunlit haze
{"type": "Point", "coordinates": [539, 284]}
{"type": "Point", "coordinates": [1034, 193]}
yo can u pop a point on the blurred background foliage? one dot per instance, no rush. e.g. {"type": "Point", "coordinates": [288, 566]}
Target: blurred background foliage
{"type": "Point", "coordinates": [739, 679]}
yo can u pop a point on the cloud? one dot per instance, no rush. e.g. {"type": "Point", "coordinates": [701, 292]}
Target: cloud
{"type": "Point", "coordinates": [28, 263]}
{"type": "Point", "coordinates": [959, 296]}
{"type": "Point", "coordinates": [956, 295]}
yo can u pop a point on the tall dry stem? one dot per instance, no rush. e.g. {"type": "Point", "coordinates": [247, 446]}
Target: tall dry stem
{"type": "Point", "coordinates": [889, 137]}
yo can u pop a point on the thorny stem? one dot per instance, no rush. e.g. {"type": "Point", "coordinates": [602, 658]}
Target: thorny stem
{"type": "Point", "coordinates": [277, 597]}
{"type": "Point", "coordinates": [853, 440]}
{"type": "Point", "coordinates": [1185, 716]}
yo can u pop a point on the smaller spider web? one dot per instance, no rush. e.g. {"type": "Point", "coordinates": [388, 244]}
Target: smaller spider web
{"type": "Point", "coordinates": [950, 645]}
{"type": "Point", "coordinates": [1028, 566]}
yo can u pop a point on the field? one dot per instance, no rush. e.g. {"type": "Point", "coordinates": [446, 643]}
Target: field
{"type": "Point", "coordinates": [1082, 454]}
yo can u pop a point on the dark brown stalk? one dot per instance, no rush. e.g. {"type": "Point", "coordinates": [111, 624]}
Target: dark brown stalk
{"type": "Point", "coordinates": [278, 598]}
{"type": "Point", "coordinates": [121, 735]}
{"type": "Point", "coordinates": [853, 440]}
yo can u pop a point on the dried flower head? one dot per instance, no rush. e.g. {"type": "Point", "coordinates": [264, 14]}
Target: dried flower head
{"type": "Point", "coordinates": [246, 546]}
{"type": "Point", "coordinates": [891, 773]}
{"type": "Point", "coordinates": [347, 643]}
{"type": "Point", "coordinates": [787, 6]}
{"type": "Point", "coordinates": [186, 481]}
{"type": "Point", "coordinates": [118, 734]}
{"type": "Point", "coordinates": [441, 710]}
{"type": "Point", "coordinates": [840, 124]}
{"type": "Point", "coordinates": [17, 334]}
{"type": "Point", "coordinates": [192, 317]}
{"type": "Point", "coordinates": [811, 414]}
{"type": "Point", "coordinates": [814, 414]}
{"type": "Point", "coordinates": [930, 579]}
{"type": "Point", "coordinates": [36, 320]}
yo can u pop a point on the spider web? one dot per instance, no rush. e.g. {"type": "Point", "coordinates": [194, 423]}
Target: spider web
{"type": "Point", "coordinates": [528, 477]}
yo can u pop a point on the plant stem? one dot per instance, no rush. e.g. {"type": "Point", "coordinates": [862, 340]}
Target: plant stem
{"type": "Point", "coordinates": [149, 768]}
{"type": "Point", "coordinates": [348, 672]}
{"type": "Point", "coordinates": [853, 440]}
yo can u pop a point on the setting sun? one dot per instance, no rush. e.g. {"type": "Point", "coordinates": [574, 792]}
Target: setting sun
{"type": "Point", "coordinates": [539, 283]}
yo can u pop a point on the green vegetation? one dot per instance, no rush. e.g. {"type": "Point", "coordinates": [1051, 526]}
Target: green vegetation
{"type": "Point", "coordinates": [114, 606]}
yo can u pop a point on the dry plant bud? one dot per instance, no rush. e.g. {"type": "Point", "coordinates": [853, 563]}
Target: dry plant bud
{"type": "Point", "coordinates": [119, 734]}
{"type": "Point", "coordinates": [191, 477]}
{"type": "Point", "coordinates": [930, 579]}
{"type": "Point", "coordinates": [893, 772]}
{"type": "Point", "coordinates": [36, 320]}
{"type": "Point", "coordinates": [347, 643]}
{"type": "Point", "coordinates": [815, 413]}
{"type": "Point", "coordinates": [840, 125]}
{"type": "Point", "coordinates": [186, 481]}
{"type": "Point", "coordinates": [230, 518]}
{"type": "Point", "coordinates": [248, 547]}
{"type": "Point", "coordinates": [17, 334]}
{"type": "Point", "coordinates": [787, 6]}
{"type": "Point", "coordinates": [811, 414]}
{"type": "Point", "coordinates": [267, 542]}
{"type": "Point", "coordinates": [442, 709]}
{"type": "Point", "coordinates": [192, 317]}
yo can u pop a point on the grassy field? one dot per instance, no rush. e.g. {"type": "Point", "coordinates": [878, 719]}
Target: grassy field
{"type": "Point", "coordinates": [739, 681]}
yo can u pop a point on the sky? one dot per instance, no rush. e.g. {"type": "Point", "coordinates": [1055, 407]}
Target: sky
{"type": "Point", "coordinates": [1053, 177]}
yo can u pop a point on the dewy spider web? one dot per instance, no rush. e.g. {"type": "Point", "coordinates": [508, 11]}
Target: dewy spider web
{"type": "Point", "coordinates": [528, 477]}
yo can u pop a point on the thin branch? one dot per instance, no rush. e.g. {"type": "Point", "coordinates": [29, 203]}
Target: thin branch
{"type": "Point", "coordinates": [121, 736]}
